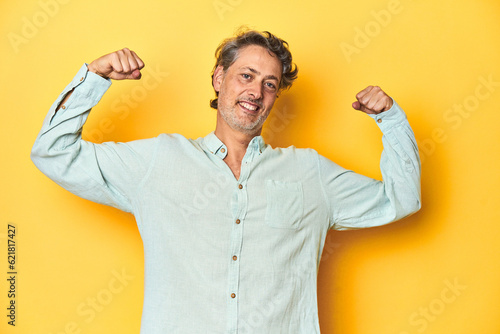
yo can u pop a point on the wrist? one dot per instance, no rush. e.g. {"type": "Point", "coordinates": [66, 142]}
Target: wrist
{"type": "Point", "coordinates": [91, 67]}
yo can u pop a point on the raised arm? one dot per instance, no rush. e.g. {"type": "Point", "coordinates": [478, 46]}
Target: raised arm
{"type": "Point", "coordinates": [106, 173]}
{"type": "Point", "coordinates": [118, 65]}
{"type": "Point", "coordinates": [357, 201]}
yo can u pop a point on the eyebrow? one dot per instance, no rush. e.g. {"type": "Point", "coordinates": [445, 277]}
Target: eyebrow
{"type": "Point", "coordinates": [253, 70]}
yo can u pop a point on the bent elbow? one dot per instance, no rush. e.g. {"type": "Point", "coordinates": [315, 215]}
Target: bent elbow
{"type": "Point", "coordinates": [416, 207]}
{"type": "Point", "coordinates": [37, 155]}
{"type": "Point", "coordinates": [411, 207]}
{"type": "Point", "coordinates": [50, 162]}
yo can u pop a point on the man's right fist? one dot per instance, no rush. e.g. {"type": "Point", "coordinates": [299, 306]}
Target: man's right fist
{"type": "Point", "coordinates": [119, 65]}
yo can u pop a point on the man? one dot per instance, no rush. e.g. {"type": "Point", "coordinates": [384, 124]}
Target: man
{"type": "Point", "coordinates": [233, 229]}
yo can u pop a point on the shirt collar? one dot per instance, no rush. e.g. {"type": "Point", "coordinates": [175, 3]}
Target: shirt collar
{"type": "Point", "coordinates": [217, 147]}
{"type": "Point", "coordinates": [257, 144]}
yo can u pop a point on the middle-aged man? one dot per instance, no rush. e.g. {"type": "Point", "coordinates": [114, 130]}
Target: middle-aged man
{"type": "Point", "coordinates": [233, 229]}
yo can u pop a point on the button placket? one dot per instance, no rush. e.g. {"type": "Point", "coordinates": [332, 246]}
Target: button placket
{"type": "Point", "coordinates": [239, 213]}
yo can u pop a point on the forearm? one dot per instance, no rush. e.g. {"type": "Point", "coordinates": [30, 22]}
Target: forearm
{"type": "Point", "coordinates": [65, 99]}
{"type": "Point", "coordinates": [357, 201]}
{"type": "Point", "coordinates": [400, 162]}
{"type": "Point", "coordinates": [58, 151]}
{"type": "Point", "coordinates": [75, 103]}
{"type": "Point", "coordinates": [90, 68]}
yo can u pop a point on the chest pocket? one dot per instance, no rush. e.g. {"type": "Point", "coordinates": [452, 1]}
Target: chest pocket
{"type": "Point", "coordinates": [285, 204]}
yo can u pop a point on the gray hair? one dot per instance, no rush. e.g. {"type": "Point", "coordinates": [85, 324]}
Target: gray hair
{"type": "Point", "coordinates": [227, 53]}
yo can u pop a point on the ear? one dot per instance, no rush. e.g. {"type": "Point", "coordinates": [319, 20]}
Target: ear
{"type": "Point", "coordinates": [217, 78]}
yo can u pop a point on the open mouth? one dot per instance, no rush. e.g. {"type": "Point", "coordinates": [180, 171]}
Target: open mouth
{"type": "Point", "coordinates": [248, 106]}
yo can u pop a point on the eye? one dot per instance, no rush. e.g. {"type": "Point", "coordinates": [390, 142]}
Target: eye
{"type": "Point", "coordinates": [270, 85]}
{"type": "Point", "coordinates": [246, 76]}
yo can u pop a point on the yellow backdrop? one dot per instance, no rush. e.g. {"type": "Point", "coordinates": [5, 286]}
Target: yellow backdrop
{"type": "Point", "coordinates": [79, 265]}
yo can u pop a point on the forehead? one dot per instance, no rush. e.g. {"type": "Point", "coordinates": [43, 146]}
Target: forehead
{"type": "Point", "coordinates": [259, 59]}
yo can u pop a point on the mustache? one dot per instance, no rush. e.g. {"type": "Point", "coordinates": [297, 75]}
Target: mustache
{"type": "Point", "coordinates": [257, 102]}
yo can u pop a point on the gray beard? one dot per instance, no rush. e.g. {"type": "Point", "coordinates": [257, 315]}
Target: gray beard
{"type": "Point", "coordinates": [236, 124]}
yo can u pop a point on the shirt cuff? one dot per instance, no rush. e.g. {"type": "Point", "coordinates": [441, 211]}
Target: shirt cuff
{"type": "Point", "coordinates": [389, 118]}
{"type": "Point", "coordinates": [90, 84]}
{"type": "Point", "coordinates": [88, 88]}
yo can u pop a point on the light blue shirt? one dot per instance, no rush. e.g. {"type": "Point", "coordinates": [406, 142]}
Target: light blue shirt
{"type": "Point", "coordinates": [225, 255]}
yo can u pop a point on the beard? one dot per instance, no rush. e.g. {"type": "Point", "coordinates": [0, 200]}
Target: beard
{"type": "Point", "coordinates": [242, 123]}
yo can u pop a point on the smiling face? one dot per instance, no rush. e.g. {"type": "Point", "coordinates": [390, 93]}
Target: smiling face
{"type": "Point", "coordinates": [247, 89]}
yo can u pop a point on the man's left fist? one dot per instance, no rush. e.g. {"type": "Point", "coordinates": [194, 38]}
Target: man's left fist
{"type": "Point", "coordinates": [372, 100]}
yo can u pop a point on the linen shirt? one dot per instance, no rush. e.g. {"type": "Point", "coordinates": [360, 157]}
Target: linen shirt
{"type": "Point", "coordinates": [227, 255]}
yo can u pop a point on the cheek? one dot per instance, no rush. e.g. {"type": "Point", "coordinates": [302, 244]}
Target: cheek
{"type": "Point", "coordinates": [228, 93]}
{"type": "Point", "coordinates": [269, 100]}
{"type": "Point", "coordinates": [223, 95]}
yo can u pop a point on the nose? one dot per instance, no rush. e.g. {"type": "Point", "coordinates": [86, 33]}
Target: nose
{"type": "Point", "coordinates": [255, 90]}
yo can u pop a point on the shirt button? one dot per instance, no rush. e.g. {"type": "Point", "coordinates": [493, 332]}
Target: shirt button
{"type": "Point", "coordinates": [63, 107]}
{"type": "Point", "coordinates": [233, 295]}
{"type": "Point", "coordinates": [240, 186]}
{"type": "Point", "coordinates": [379, 120]}
{"type": "Point", "coordinates": [81, 79]}
{"type": "Point", "coordinates": [238, 221]}
{"type": "Point", "coordinates": [223, 150]}
{"type": "Point", "coordinates": [235, 258]}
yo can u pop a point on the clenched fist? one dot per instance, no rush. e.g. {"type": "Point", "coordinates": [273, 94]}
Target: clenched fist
{"type": "Point", "coordinates": [372, 100]}
{"type": "Point", "coordinates": [119, 65]}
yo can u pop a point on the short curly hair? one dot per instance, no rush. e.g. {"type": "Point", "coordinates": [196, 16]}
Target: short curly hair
{"type": "Point", "coordinates": [227, 53]}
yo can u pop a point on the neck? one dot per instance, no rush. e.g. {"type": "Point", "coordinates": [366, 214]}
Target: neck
{"type": "Point", "coordinates": [236, 143]}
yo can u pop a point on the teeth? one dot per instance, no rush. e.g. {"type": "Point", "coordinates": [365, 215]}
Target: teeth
{"type": "Point", "coordinates": [248, 106]}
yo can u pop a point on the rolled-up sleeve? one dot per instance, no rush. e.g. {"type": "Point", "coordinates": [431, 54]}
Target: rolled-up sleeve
{"type": "Point", "coordinates": [106, 173]}
{"type": "Point", "coordinates": [356, 201]}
